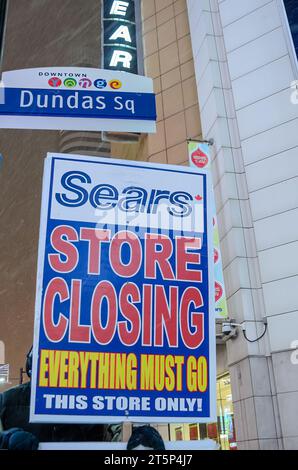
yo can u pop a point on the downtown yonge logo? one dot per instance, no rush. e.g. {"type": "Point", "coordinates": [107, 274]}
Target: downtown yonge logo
{"type": "Point", "coordinates": [85, 82]}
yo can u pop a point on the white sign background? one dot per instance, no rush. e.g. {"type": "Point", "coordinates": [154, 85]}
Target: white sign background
{"type": "Point", "coordinates": [111, 174]}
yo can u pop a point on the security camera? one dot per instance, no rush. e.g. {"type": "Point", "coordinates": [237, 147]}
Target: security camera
{"type": "Point", "coordinates": [229, 329]}
{"type": "Point", "coordinates": [226, 329]}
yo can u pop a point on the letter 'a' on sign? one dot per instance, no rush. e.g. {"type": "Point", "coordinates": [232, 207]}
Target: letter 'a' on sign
{"type": "Point", "coordinates": [124, 318]}
{"type": "Point", "coordinates": [76, 98]}
{"type": "Point", "coordinates": [121, 33]}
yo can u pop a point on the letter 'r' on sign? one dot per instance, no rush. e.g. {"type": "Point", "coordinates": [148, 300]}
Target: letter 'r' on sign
{"type": "Point", "coordinates": [120, 57]}
{"type": "Point", "coordinates": [119, 8]}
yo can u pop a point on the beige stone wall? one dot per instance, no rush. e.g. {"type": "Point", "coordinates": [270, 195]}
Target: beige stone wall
{"type": "Point", "coordinates": [168, 60]}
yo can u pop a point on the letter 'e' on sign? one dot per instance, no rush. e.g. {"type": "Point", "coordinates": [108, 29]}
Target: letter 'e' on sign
{"type": "Point", "coordinates": [119, 8]}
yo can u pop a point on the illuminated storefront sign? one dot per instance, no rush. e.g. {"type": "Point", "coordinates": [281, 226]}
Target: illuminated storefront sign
{"type": "Point", "coordinates": [120, 36]}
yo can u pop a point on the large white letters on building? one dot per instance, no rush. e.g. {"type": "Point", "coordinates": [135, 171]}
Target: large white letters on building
{"type": "Point", "coordinates": [120, 51]}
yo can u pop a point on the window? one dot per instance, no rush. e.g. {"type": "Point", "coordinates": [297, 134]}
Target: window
{"type": "Point", "coordinates": [2, 22]}
{"type": "Point", "coordinates": [4, 374]}
{"type": "Point", "coordinates": [291, 7]}
{"type": "Point", "coordinates": [223, 431]}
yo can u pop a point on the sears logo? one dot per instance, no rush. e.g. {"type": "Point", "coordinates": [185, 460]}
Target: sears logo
{"type": "Point", "coordinates": [132, 199]}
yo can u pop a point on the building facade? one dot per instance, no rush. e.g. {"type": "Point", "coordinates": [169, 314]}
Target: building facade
{"type": "Point", "coordinates": [246, 67]}
{"type": "Point", "coordinates": [224, 70]}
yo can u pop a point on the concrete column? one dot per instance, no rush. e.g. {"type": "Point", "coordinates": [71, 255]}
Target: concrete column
{"type": "Point", "coordinates": [231, 40]}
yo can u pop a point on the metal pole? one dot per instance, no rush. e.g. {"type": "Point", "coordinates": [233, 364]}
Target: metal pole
{"type": "Point", "coordinates": [21, 375]}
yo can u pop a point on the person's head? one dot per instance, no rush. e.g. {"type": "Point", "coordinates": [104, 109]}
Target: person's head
{"type": "Point", "coordinates": [145, 437]}
{"type": "Point", "coordinates": [29, 362]}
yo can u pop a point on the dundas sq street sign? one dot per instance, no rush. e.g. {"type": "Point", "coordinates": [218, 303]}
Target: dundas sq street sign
{"type": "Point", "coordinates": [77, 98]}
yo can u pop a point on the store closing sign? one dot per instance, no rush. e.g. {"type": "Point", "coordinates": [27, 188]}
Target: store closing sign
{"type": "Point", "coordinates": [76, 98]}
{"type": "Point", "coordinates": [120, 36]}
{"type": "Point", "coordinates": [124, 290]}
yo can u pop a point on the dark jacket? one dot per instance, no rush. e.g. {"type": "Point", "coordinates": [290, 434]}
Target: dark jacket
{"type": "Point", "coordinates": [14, 413]}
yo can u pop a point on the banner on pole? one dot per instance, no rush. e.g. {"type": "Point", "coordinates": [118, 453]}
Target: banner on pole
{"type": "Point", "coordinates": [75, 98]}
{"type": "Point", "coordinates": [199, 157]}
{"type": "Point", "coordinates": [125, 287]}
